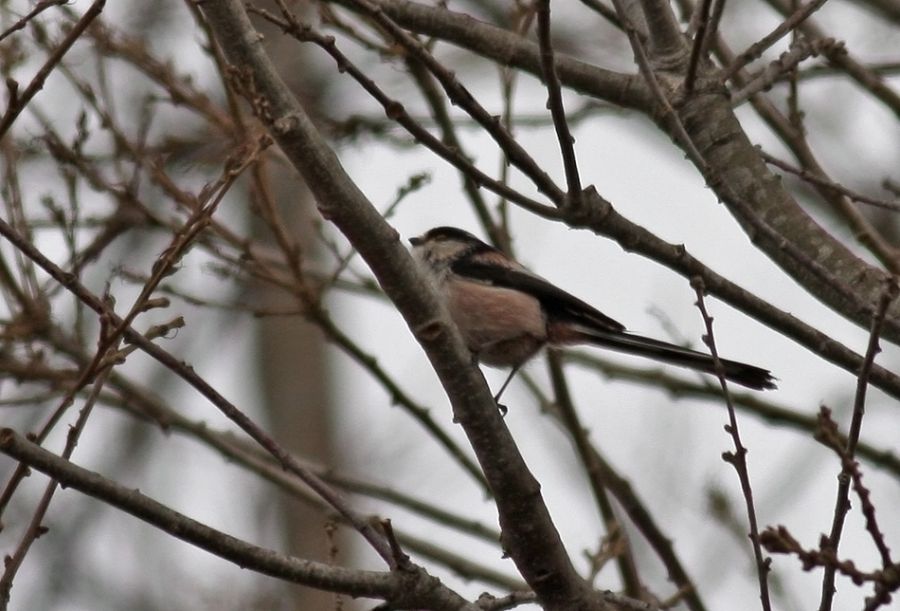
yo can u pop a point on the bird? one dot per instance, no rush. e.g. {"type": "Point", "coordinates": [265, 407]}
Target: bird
{"type": "Point", "coordinates": [506, 314]}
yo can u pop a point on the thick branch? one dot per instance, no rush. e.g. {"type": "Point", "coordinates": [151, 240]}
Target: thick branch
{"type": "Point", "coordinates": [389, 586]}
{"type": "Point", "coordinates": [664, 38]}
{"type": "Point", "coordinates": [715, 131]}
{"type": "Point", "coordinates": [508, 49]}
{"type": "Point", "coordinates": [529, 535]}
{"type": "Point", "coordinates": [604, 220]}
{"type": "Point", "coordinates": [738, 175]}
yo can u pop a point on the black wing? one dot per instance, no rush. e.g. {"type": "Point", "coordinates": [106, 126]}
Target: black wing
{"type": "Point", "coordinates": [557, 302]}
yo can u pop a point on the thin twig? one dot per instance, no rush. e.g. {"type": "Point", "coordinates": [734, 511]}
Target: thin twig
{"type": "Point", "coordinates": [18, 101]}
{"type": "Point", "coordinates": [756, 49]}
{"type": "Point", "coordinates": [786, 63]}
{"type": "Point", "coordinates": [747, 402]}
{"type": "Point", "coordinates": [557, 109]}
{"type": "Point", "coordinates": [637, 511]}
{"type": "Point", "coordinates": [396, 112]}
{"type": "Point", "coordinates": [829, 434]}
{"type": "Point", "coordinates": [779, 540]}
{"type": "Point", "coordinates": [568, 416]}
{"type": "Point", "coordinates": [36, 528]}
{"type": "Point", "coordinates": [738, 458]}
{"type": "Point", "coordinates": [854, 68]}
{"type": "Point", "coordinates": [110, 337]}
{"type": "Point", "coordinates": [438, 104]}
{"type": "Point", "coordinates": [187, 373]}
{"type": "Point", "coordinates": [842, 502]}
{"type": "Point", "coordinates": [815, 179]}
{"type": "Point", "coordinates": [461, 96]}
{"type": "Point", "coordinates": [604, 11]}
{"type": "Point", "coordinates": [39, 8]}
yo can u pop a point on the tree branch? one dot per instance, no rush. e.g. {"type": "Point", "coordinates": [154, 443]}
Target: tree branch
{"type": "Point", "coordinates": [403, 588]}
{"type": "Point", "coordinates": [529, 535]}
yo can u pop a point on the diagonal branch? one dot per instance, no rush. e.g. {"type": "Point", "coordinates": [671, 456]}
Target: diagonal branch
{"type": "Point", "coordinates": [39, 8]}
{"type": "Point", "coordinates": [762, 201]}
{"type": "Point", "coordinates": [782, 29]}
{"type": "Point", "coordinates": [509, 49]}
{"type": "Point", "coordinates": [187, 373]}
{"type": "Point", "coordinates": [394, 587]}
{"type": "Point", "coordinates": [844, 60]}
{"type": "Point", "coordinates": [664, 37]}
{"type": "Point", "coordinates": [529, 535]}
{"type": "Point", "coordinates": [18, 102]}
{"type": "Point", "coordinates": [460, 96]}
{"type": "Point", "coordinates": [395, 110]}
{"type": "Point", "coordinates": [605, 220]}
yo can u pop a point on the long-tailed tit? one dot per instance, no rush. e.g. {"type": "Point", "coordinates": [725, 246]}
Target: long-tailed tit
{"type": "Point", "coordinates": [506, 313]}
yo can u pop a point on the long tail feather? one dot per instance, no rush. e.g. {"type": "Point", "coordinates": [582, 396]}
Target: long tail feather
{"type": "Point", "coordinates": [740, 373]}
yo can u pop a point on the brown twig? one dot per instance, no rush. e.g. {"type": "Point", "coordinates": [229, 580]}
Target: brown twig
{"type": "Point", "coordinates": [821, 181]}
{"type": "Point", "coordinates": [568, 416]}
{"type": "Point", "coordinates": [39, 8]}
{"type": "Point", "coordinates": [396, 111]}
{"type": "Point", "coordinates": [36, 528]}
{"type": "Point", "coordinates": [782, 29]}
{"type": "Point", "coordinates": [438, 105]}
{"type": "Point", "coordinates": [829, 435]}
{"type": "Point", "coordinates": [842, 59]}
{"type": "Point", "coordinates": [842, 502]}
{"type": "Point", "coordinates": [112, 328]}
{"type": "Point", "coordinates": [639, 514]}
{"type": "Point", "coordinates": [787, 62]}
{"type": "Point", "coordinates": [460, 96]}
{"type": "Point", "coordinates": [18, 101]}
{"type": "Point", "coordinates": [779, 540]}
{"type": "Point", "coordinates": [604, 11]}
{"type": "Point", "coordinates": [557, 109]}
{"type": "Point", "coordinates": [738, 458]}
{"type": "Point", "coordinates": [749, 403]}
{"type": "Point", "coordinates": [393, 587]}
{"type": "Point", "coordinates": [189, 375]}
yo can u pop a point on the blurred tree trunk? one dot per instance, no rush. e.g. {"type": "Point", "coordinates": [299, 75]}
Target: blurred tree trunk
{"type": "Point", "coordinates": [292, 366]}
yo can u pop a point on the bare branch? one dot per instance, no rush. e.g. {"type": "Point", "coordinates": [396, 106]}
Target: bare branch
{"type": "Point", "coordinates": [18, 101]}
{"type": "Point", "coordinates": [39, 8]}
{"type": "Point", "coordinates": [397, 588]}
{"type": "Point", "coordinates": [698, 48]}
{"type": "Point", "coordinates": [665, 41]}
{"type": "Point", "coordinates": [842, 503]}
{"type": "Point", "coordinates": [738, 458]}
{"type": "Point", "coordinates": [187, 373]}
{"type": "Point", "coordinates": [529, 535]}
{"type": "Point", "coordinates": [815, 179]}
{"type": "Point", "coordinates": [507, 49]}
{"type": "Point", "coordinates": [460, 96]}
{"type": "Point", "coordinates": [396, 112]}
{"type": "Point", "coordinates": [555, 104]}
{"type": "Point", "coordinates": [785, 27]}
{"type": "Point", "coordinates": [785, 64]}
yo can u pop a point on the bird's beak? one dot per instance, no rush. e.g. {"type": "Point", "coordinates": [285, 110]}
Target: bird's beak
{"type": "Point", "coordinates": [416, 241]}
